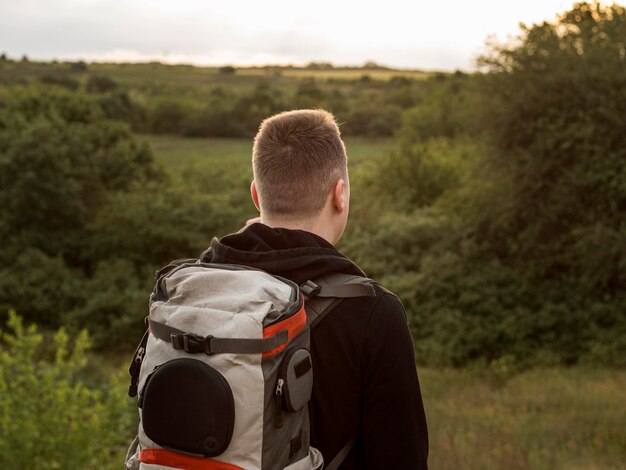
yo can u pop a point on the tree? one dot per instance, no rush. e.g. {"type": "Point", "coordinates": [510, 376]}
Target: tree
{"type": "Point", "coordinates": [227, 70]}
{"type": "Point", "coordinates": [59, 161]}
{"type": "Point", "coordinates": [509, 238]}
{"type": "Point", "coordinates": [559, 140]}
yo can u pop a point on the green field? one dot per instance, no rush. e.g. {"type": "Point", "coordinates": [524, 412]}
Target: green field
{"type": "Point", "coordinates": [197, 74]}
{"type": "Point", "coordinates": [191, 82]}
{"type": "Point", "coordinates": [172, 151]}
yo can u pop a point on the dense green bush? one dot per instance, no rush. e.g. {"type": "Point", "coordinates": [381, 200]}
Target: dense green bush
{"type": "Point", "coordinates": [559, 148]}
{"type": "Point", "coordinates": [215, 120]}
{"type": "Point", "coordinates": [166, 116]}
{"type": "Point", "coordinates": [119, 106]}
{"type": "Point", "coordinates": [49, 418]}
{"type": "Point", "coordinates": [41, 284]}
{"type": "Point", "coordinates": [100, 84]}
{"type": "Point", "coordinates": [156, 223]}
{"type": "Point", "coordinates": [505, 239]}
{"type": "Point", "coordinates": [88, 216]}
{"type": "Point", "coordinates": [58, 159]}
{"type": "Point", "coordinates": [113, 304]}
{"type": "Point", "coordinates": [418, 174]}
{"type": "Point", "coordinates": [250, 109]}
{"type": "Point", "coordinates": [60, 80]}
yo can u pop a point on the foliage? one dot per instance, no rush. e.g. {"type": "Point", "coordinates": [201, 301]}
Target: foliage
{"type": "Point", "coordinates": [100, 84]}
{"type": "Point", "coordinates": [114, 303]}
{"type": "Point", "coordinates": [41, 284]}
{"type": "Point", "coordinates": [227, 70]}
{"type": "Point", "coordinates": [506, 240]}
{"type": "Point", "coordinates": [60, 80]}
{"type": "Point", "coordinates": [57, 161]}
{"type": "Point", "coordinates": [418, 174]}
{"type": "Point", "coordinates": [191, 101]}
{"type": "Point", "coordinates": [88, 216]}
{"type": "Point", "coordinates": [446, 108]}
{"type": "Point", "coordinates": [166, 116]}
{"type": "Point", "coordinates": [216, 120]}
{"type": "Point", "coordinates": [558, 146]}
{"type": "Point", "coordinates": [498, 217]}
{"type": "Point", "coordinates": [155, 224]}
{"type": "Point", "coordinates": [118, 105]}
{"type": "Point", "coordinates": [48, 418]}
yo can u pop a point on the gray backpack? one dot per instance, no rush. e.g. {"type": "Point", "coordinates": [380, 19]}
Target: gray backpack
{"type": "Point", "coordinates": [224, 372]}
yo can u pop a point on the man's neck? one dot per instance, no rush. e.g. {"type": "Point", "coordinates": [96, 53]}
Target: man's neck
{"type": "Point", "coordinates": [318, 225]}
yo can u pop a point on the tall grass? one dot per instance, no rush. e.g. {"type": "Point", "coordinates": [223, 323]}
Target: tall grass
{"type": "Point", "coordinates": [561, 418]}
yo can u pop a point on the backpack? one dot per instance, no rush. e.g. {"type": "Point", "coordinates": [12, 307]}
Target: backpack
{"type": "Point", "coordinates": [224, 373]}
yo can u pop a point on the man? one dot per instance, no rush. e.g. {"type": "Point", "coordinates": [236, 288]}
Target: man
{"type": "Point", "coordinates": [366, 384]}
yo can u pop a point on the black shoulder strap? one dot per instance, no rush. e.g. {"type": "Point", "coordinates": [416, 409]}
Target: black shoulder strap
{"type": "Point", "coordinates": [323, 294]}
{"type": "Point", "coordinates": [321, 297]}
{"type": "Point", "coordinates": [341, 455]}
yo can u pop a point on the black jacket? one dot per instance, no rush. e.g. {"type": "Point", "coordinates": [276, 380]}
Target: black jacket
{"type": "Point", "coordinates": [363, 360]}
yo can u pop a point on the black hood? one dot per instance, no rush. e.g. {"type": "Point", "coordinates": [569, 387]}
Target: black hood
{"type": "Point", "coordinates": [294, 254]}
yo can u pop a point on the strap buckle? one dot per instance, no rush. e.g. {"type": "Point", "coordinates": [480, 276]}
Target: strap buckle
{"type": "Point", "coordinates": [192, 343]}
{"type": "Point", "coordinates": [310, 289]}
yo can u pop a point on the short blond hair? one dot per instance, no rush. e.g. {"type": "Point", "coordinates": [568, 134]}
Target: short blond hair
{"type": "Point", "coordinates": [297, 158]}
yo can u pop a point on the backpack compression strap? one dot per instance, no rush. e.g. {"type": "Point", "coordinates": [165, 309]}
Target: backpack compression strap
{"type": "Point", "coordinates": [193, 343]}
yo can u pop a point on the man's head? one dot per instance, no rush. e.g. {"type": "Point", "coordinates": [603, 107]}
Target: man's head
{"type": "Point", "coordinates": [300, 171]}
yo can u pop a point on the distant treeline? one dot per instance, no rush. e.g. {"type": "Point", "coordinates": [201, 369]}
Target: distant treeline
{"type": "Point", "coordinates": [500, 218]}
{"type": "Point", "coordinates": [195, 102]}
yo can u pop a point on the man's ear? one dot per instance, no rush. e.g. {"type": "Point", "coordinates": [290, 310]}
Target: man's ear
{"type": "Point", "coordinates": [255, 195]}
{"type": "Point", "coordinates": [339, 195]}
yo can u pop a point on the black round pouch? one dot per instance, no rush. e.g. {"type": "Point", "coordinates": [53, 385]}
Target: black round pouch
{"type": "Point", "coordinates": [188, 406]}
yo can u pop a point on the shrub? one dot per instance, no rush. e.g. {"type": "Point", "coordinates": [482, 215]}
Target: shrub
{"type": "Point", "coordinates": [40, 284]}
{"type": "Point", "coordinates": [119, 106]}
{"type": "Point", "coordinates": [371, 119]}
{"type": "Point", "coordinates": [216, 120]}
{"type": "Point", "coordinates": [55, 170]}
{"type": "Point", "coordinates": [418, 175]}
{"type": "Point", "coordinates": [166, 116]}
{"type": "Point", "coordinates": [48, 418]}
{"type": "Point", "coordinates": [227, 70]}
{"type": "Point", "coordinates": [114, 304]}
{"type": "Point", "coordinates": [100, 84]}
{"type": "Point", "coordinates": [77, 66]}
{"type": "Point", "coordinates": [60, 80]}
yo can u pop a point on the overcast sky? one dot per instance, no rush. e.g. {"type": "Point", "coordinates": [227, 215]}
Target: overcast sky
{"type": "Point", "coordinates": [410, 34]}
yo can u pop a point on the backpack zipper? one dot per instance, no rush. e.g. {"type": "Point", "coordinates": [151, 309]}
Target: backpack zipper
{"type": "Point", "coordinates": [278, 399]}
